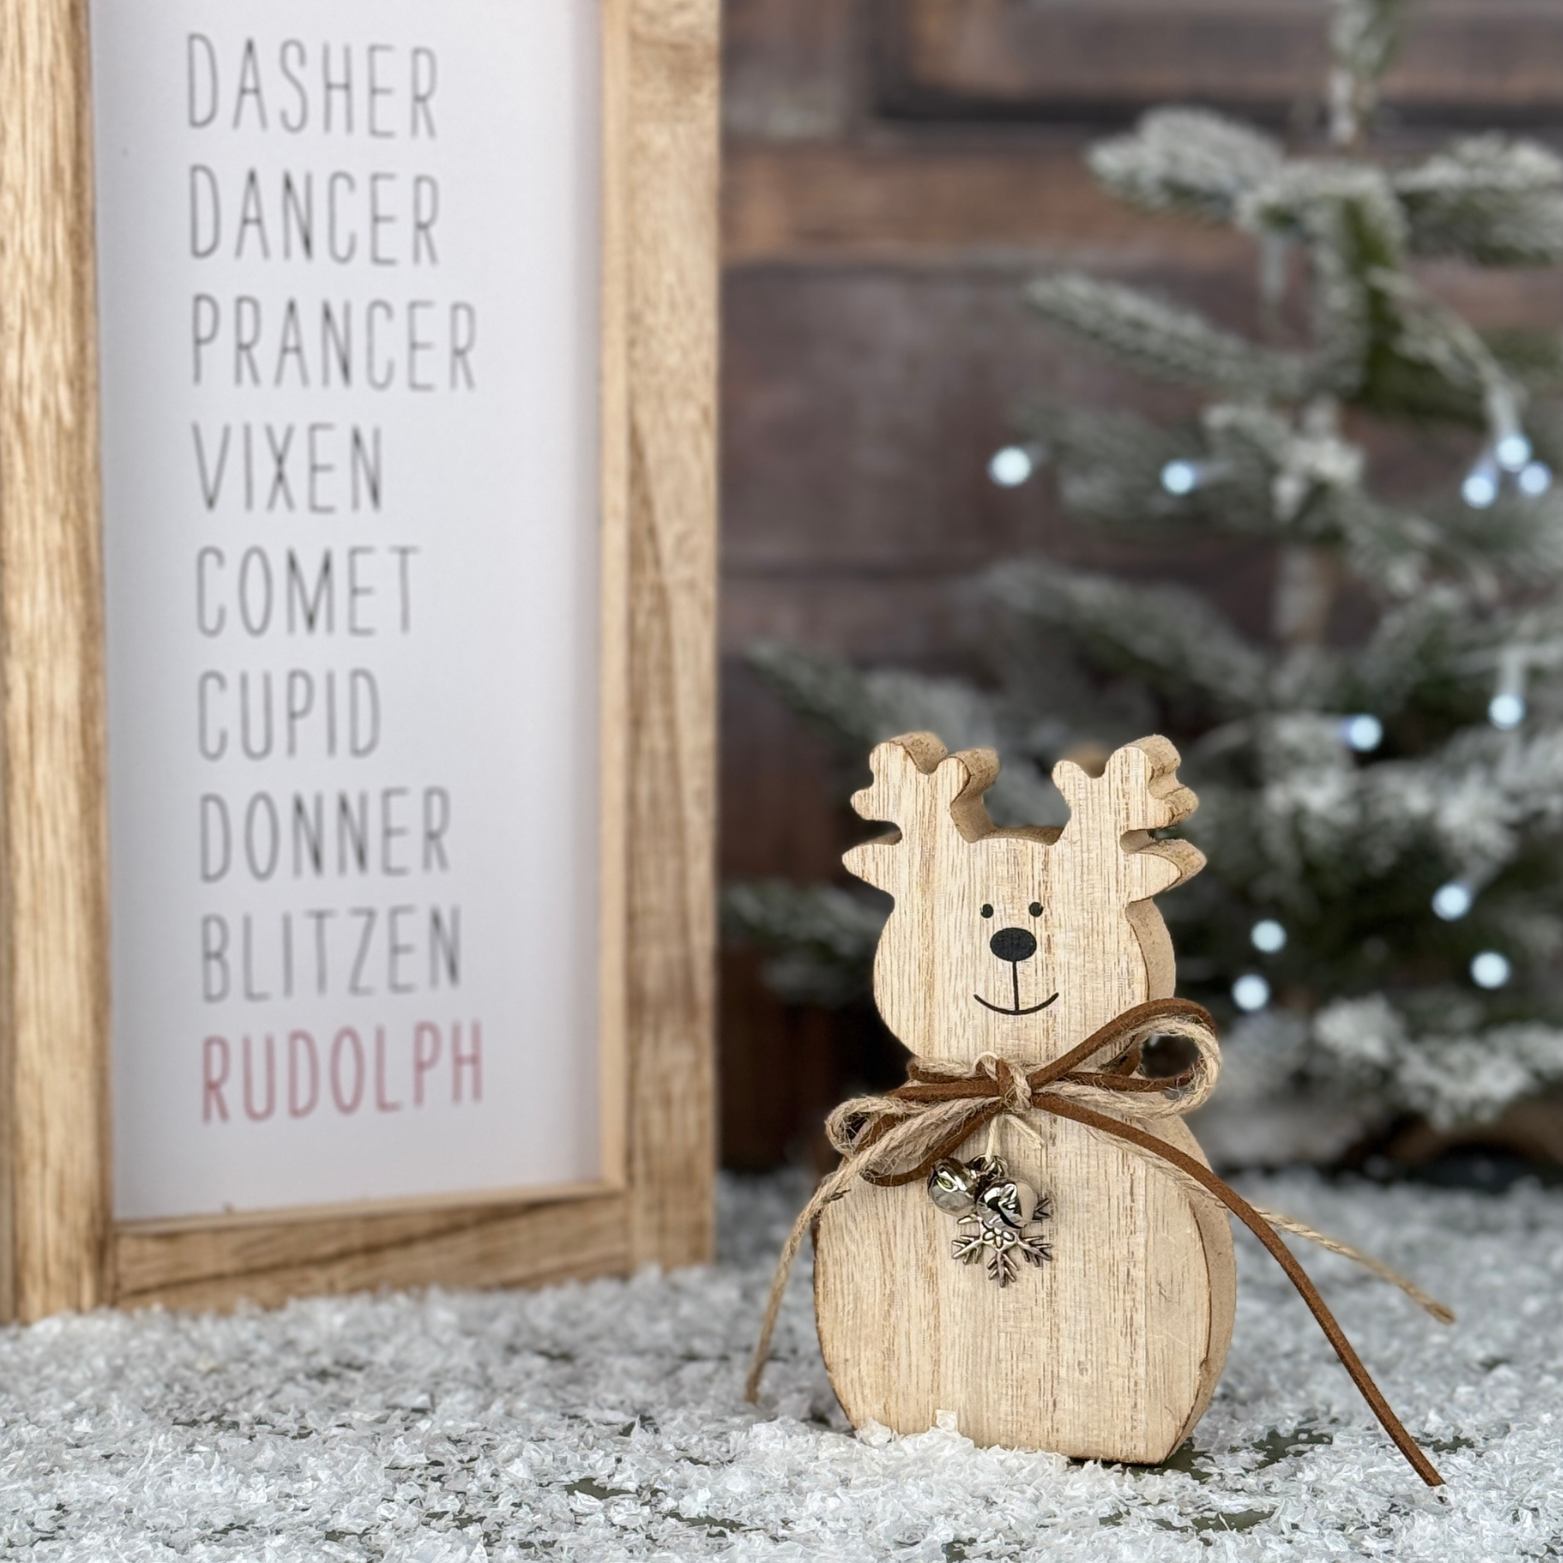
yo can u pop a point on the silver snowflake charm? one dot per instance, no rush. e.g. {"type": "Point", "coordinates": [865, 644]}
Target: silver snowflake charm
{"type": "Point", "coordinates": [993, 1211]}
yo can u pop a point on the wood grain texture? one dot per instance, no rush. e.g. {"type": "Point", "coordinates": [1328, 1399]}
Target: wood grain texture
{"type": "Point", "coordinates": [658, 510]}
{"type": "Point", "coordinates": [892, 201]}
{"type": "Point", "coordinates": [495, 1245]}
{"type": "Point", "coordinates": [53, 902]}
{"type": "Point", "coordinates": [1023, 942]}
{"type": "Point", "coordinates": [670, 67]}
{"type": "Point", "coordinates": [1497, 60]}
{"type": "Point", "coordinates": [1111, 1351]}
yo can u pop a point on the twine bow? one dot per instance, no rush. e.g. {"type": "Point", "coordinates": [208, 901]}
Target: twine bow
{"type": "Point", "coordinates": [898, 1138]}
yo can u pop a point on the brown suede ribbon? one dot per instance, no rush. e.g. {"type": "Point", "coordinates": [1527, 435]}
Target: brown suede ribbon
{"type": "Point", "coordinates": [991, 1095]}
{"type": "Point", "coordinates": [1002, 1089]}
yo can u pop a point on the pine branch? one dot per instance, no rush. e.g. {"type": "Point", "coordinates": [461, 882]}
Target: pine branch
{"type": "Point", "coordinates": [1169, 637]}
{"type": "Point", "coordinates": [1515, 541]}
{"type": "Point", "coordinates": [1261, 471]}
{"type": "Point", "coordinates": [1532, 358]}
{"type": "Point", "coordinates": [1108, 465]}
{"type": "Point", "coordinates": [1419, 645]}
{"type": "Point", "coordinates": [1429, 361]}
{"type": "Point", "coordinates": [1391, 550]}
{"type": "Point", "coordinates": [1518, 773]}
{"type": "Point", "coordinates": [1320, 826]}
{"type": "Point", "coordinates": [822, 937]}
{"type": "Point", "coordinates": [1189, 160]}
{"type": "Point", "coordinates": [854, 710]}
{"type": "Point", "coordinates": [1382, 341]}
{"type": "Point", "coordinates": [1488, 199]}
{"type": "Point", "coordinates": [1364, 35]}
{"type": "Point", "coordinates": [1527, 923]}
{"type": "Point", "coordinates": [1347, 207]}
{"type": "Point", "coordinates": [1284, 474]}
{"type": "Point", "coordinates": [1164, 340]}
{"type": "Point", "coordinates": [1453, 1074]}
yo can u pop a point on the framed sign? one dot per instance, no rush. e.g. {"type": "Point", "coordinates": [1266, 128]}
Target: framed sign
{"type": "Point", "coordinates": [356, 643]}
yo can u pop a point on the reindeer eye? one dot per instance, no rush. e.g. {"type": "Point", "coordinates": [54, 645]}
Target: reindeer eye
{"type": "Point", "coordinates": [987, 911]}
{"type": "Point", "coordinates": [1035, 908]}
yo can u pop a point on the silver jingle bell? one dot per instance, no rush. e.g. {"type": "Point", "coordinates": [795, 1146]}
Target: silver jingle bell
{"type": "Point", "coordinates": [992, 1211]}
{"type": "Point", "coordinates": [982, 1188]}
{"type": "Point", "coordinates": [1007, 1200]}
{"type": "Point", "coordinates": [950, 1187]}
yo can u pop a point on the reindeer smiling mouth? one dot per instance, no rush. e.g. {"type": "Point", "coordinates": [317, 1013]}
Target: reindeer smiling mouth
{"type": "Point", "coordinates": [1013, 945]}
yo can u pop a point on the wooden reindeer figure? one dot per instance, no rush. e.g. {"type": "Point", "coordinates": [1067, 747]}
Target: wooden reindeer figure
{"type": "Point", "coordinates": [1025, 1234]}
{"type": "Point", "coordinates": [1095, 1311]}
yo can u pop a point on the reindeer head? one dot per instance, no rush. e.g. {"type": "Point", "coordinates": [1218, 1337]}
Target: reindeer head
{"type": "Point", "coordinates": [1019, 942]}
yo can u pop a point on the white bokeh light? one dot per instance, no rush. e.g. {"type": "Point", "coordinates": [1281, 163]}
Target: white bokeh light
{"type": "Point", "coordinates": [1250, 992]}
{"type": "Point", "coordinates": [1362, 732]}
{"type": "Point", "coordinates": [1490, 969]}
{"type": "Point", "coordinates": [1268, 935]}
{"type": "Point", "coordinates": [1180, 477]}
{"type": "Point", "coordinates": [1512, 451]}
{"type": "Point", "coordinates": [1535, 479]}
{"type": "Point", "coordinates": [1011, 466]}
{"type": "Point", "coordinates": [1506, 710]}
{"type": "Point", "coordinates": [1452, 901]}
{"type": "Point", "coordinates": [1480, 488]}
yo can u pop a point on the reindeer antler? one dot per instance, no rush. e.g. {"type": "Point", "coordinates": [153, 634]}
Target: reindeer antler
{"type": "Point", "coordinates": [1138, 792]}
{"type": "Point", "coordinates": [921, 789]}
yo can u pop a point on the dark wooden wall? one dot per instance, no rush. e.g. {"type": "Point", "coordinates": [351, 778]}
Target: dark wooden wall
{"type": "Point", "coordinates": [895, 169]}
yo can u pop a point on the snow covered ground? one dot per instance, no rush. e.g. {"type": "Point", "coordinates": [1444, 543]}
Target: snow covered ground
{"type": "Point", "coordinates": [604, 1421]}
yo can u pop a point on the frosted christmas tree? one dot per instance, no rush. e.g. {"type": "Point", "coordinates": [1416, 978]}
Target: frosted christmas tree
{"type": "Point", "coordinates": [1383, 817]}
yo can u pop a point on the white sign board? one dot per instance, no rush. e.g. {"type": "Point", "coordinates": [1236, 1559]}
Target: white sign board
{"type": "Point", "coordinates": [348, 292]}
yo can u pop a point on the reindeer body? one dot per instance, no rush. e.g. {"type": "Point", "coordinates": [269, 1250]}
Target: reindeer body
{"type": "Point", "coordinates": [1021, 943]}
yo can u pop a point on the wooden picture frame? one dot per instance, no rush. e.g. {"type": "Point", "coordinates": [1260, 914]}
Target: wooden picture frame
{"type": "Point", "coordinates": [60, 1247]}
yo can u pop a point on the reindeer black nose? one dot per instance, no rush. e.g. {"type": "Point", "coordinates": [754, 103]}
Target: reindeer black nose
{"type": "Point", "coordinates": [1013, 944]}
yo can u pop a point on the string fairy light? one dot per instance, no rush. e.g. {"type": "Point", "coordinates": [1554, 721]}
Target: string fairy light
{"type": "Point", "coordinates": [1535, 479]}
{"type": "Point", "coordinates": [1183, 476]}
{"type": "Point", "coordinates": [1011, 466]}
{"type": "Point", "coordinates": [1480, 488]}
{"type": "Point", "coordinates": [1490, 969]}
{"type": "Point", "coordinates": [1362, 732]}
{"type": "Point", "coordinates": [1511, 447]}
{"type": "Point", "coordinates": [1509, 454]}
{"type": "Point", "coordinates": [1267, 936]}
{"type": "Point", "coordinates": [1250, 992]}
{"type": "Point", "coordinates": [1506, 709]}
{"type": "Point", "coordinates": [1512, 451]}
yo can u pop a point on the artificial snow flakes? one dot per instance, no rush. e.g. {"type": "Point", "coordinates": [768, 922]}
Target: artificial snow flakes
{"type": "Point", "coordinates": [604, 1422]}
